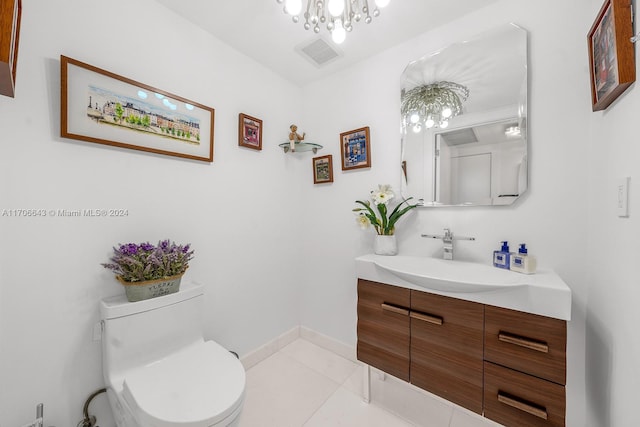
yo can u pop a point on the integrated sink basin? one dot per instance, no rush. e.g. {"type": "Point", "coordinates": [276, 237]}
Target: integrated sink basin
{"type": "Point", "coordinates": [543, 293]}
{"type": "Point", "coordinates": [450, 276]}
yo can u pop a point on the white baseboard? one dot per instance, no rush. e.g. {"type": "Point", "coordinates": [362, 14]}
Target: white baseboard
{"type": "Point", "coordinates": [270, 348]}
{"type": "Point", "coordinates": [328, 343]}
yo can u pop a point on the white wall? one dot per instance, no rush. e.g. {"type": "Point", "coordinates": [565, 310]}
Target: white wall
{"type": "Point", "coordinates": [612, 340]}
{"type": "Point", "coordinates": [245, 212]}
{"type": "Point", "coordinates": [551, 218]}
{"type": "Point", "coordinates": [238, 212]}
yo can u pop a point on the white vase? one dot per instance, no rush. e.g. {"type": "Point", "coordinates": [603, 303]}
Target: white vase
{"type": "Point", "coordinates": [385, 245]}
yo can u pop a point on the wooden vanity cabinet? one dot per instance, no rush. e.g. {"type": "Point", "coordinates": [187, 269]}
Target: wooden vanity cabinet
{"type": "Point", "coordinates": [446, 348]}
{"type": "Point", "coordinates": [525, 369]}
{"type": "Point", "coordinates": [513, 398]}
{"type": "Point", "coordinates": [504, 364]}
{"type": "Point", "coordinates": [431, 341]}
{"type": "Point", "coordinates": [526, 342]}
{"type": "Point", "coordinates": [383, 327]}
{"type": "Point", "coordinates": [10, 13]}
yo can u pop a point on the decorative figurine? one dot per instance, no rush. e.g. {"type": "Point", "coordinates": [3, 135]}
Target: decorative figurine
{"type": "Point", "coordinates": [294, 137]}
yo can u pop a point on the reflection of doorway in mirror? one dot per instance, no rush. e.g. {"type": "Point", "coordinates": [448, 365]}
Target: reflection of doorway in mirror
{"type": "Point", "coordinates": [471, 179]}
{"type": "Point", "coordinates": [493, 151]}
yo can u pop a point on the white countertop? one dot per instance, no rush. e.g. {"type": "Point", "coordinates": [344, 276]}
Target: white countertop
{"type": "Point", "coordinates": [543, 293]}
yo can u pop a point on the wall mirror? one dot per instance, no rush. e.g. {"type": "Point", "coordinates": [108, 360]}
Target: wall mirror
{"type": "Point", "coordinates": [464, 122]}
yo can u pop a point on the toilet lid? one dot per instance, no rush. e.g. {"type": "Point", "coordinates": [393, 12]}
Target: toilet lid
{"type": "Point", "coordinates": [198, 386]}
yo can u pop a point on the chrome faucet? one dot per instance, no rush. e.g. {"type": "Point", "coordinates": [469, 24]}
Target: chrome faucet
{"type": "Point", "coordinates": [39, 421]}
{"type": "Point", "coordinates": [447, 239]}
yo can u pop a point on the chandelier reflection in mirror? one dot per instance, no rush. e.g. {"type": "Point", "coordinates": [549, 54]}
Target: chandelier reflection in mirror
{"type": "Point", "coordinates": [338, 15]}
{"type": "Point", "coordinates": [432, 105]}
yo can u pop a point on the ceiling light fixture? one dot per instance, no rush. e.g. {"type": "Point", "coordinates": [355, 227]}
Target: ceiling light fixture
{"type": "Point", "coordinates": [338, 15]}
{"type": "Point", "coordinates": [512, 131]}
{"type": "Point", "coordinates": [432, 105]}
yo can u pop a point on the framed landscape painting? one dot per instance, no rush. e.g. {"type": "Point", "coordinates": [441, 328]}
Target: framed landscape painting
{"type": "Point", "coordinates": [355, 149]}
{"type": "Point", "coordinates": [611, 53]}
{"type": "Point", "coordinates": [105, 108]}
{"type": "Point", "coordinates": [250, 132]}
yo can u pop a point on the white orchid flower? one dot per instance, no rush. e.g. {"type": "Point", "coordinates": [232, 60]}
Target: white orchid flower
{"type": "Point", "coordinates": [363, 221]}
{"type": "Point", "coordinates": [382, 195]}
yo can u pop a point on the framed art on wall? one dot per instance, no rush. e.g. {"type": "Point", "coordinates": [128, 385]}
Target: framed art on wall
{"type": "Point", "coordinates": [355, 148]}
{"type": "Point", "coordinates": [105, 108]}
{"type": "Point", "coordinates": [611, 53]}
{"type": "Point", "coordinates": [249, 132]}
{"type": "Point", "coordinates": [322, 169]}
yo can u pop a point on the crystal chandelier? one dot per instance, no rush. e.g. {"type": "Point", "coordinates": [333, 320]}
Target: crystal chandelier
{"type": "Point", "coordinates": [432, 105]}
{"type": "Point", "coordinates": [338, 15]}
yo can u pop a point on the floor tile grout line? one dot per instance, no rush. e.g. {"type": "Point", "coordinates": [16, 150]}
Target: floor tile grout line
{"type": "Point", "coordinates": [321, 405]}
{"type": "Point", "coordinates": [355, 365]}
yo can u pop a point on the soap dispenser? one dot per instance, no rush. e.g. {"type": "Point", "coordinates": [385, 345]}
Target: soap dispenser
{"type": "Point", "coordinates": [501, 257]}
{"type": "Point", "coordinates": [522, 262]}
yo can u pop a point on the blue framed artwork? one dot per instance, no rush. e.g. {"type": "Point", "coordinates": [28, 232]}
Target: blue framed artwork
{"type": "Point", "coordinates": [355, 147]}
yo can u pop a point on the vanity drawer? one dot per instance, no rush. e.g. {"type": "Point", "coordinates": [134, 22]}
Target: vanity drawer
{"type": "Point", "coordinates": [516, 399]}
{"type": "Point", "coordinates": [383, 327]}
{"type": "Point", "coordinates": [446, 348]}
{"type": "Point", "coordinates": [526, 342]}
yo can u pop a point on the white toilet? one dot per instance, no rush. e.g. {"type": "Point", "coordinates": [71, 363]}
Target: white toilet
{"type": "Point", "coordinates": [159, 370]}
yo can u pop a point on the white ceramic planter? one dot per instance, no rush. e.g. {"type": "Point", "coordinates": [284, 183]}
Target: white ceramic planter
{"type": "Point", "coordinates": [385, 245]}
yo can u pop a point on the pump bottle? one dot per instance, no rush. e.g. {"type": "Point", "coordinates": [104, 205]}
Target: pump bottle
{"type": "Point", "coordinates": [522, 262]}
{"type": "Point", "coordinates": [501, 258]}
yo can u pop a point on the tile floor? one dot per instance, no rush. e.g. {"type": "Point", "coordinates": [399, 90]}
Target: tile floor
{"type": "Point", "coordinates": [304, 385]}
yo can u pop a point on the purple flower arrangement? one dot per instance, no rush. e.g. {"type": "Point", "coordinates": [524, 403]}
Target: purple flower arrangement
{"type": "Point", "coordinates": [144, 261]}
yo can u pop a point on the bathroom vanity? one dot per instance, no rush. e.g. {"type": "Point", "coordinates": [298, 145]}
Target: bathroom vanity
{"type": "Point", "coordinates": [498, 350]}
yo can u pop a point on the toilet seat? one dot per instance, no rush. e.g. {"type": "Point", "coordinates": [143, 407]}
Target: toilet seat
{"type": "Point", "coordinates": [199, 386]}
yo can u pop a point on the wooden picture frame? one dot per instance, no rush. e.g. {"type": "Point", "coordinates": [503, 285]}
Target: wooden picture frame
{"type": "Point", "coordinates": [323, 169]}
{"type": "Point", "coordinates": [249, 132]}
{"type": "Point", "coordinates": [611, 53]}
{"type": "Point", "coordinates": [355, 149]}
{"type": "Point", "coordinates": [105, 108]}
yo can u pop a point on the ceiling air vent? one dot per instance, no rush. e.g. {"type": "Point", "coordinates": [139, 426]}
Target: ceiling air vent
{"type": "Point", "coordinates": [318, 51]}
{"type": "Point", "coordinates": [459, 137]}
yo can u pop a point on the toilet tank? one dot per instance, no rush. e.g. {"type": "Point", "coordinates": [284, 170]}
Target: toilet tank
{"type": "Point", "coordinates": [138, 333]}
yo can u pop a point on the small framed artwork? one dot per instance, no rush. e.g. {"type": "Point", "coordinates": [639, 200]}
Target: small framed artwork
{"type": "Point", "coordinates": [355, 149]}
{"type": "Point", "coordinates": [611, 53]}
{"type": "Point", "coordinates": [250, 132]}
{"type": "Point", "coordinates": [322, 169]}
{"type": "Point", "coordinates": [105, 108]}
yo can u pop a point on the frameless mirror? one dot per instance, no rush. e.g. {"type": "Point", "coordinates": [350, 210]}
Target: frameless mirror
{"type": "Point", "coordinates": [478, 154]}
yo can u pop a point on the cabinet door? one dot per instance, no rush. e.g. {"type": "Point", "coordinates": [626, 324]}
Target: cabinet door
{"type": "Point", "coordinates": [383, 327]}
{"type": "Point", "coordinates": [513, 398]}
{"type": "Point", "coordinates": [526, 342]}
{"type": "Point", "coordinates": [446, 348]}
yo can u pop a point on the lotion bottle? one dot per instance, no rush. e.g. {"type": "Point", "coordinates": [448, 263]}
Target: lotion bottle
{"type": "Point", "coordinates": [502, 257]}
{"type": "Point", "coordinates": [522, 262]}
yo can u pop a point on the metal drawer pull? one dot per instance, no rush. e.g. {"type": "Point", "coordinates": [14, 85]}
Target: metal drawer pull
{"type": "Point", "coordinates": [524, 342]}
{"type": "Point", "coordinates": [394, 309]}
{"type": "Point", "coordinates": [522, 406]}
{"type": "Point", "coordinates": [436, 320]}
